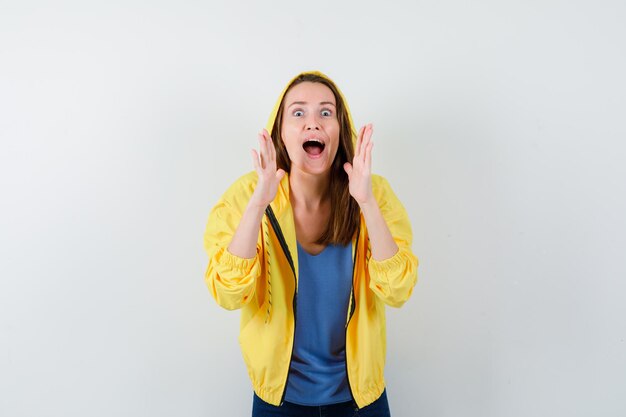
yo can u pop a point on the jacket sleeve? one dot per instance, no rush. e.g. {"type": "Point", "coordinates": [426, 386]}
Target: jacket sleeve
{"type": "Point", "coordinates": [231, 279]}
{"type": "Point", "coordinates": [393, 279]}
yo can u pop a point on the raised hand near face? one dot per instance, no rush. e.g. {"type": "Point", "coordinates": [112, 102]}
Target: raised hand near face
{"type": "Point", "coordinates": [360, 171]}
{"type": "Point", "coordinates": [265, 166]}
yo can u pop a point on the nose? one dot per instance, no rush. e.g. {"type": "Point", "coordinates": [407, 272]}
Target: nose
{"type": "Point", "coordinates": [312, 123]}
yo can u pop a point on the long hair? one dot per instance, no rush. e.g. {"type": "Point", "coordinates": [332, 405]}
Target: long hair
{"type": "Point", "coordinates": [344, 210]}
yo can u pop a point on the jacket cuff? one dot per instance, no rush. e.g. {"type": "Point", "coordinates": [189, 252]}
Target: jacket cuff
{"type": "Point", "coordinates": [236, 263]}
{"type": "Point", "coordinates": [386, 265]}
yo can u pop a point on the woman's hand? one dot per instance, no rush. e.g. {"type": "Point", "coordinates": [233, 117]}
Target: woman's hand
{"type": "Point", "coordinates": [243, 243]}
{"type": "Point", "coordinates": [360, 171]}
{"type": "Point", "coordinates": [265, 166]}
{"type": "Point", "coordinates": [360, 175]}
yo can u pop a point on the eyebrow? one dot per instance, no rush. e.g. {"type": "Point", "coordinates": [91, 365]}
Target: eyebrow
{"type": "Point", "coordinates": [304, 102]}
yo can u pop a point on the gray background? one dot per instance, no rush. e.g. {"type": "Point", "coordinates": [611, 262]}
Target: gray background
{"type": "Point", "coordinates": [500, 125]}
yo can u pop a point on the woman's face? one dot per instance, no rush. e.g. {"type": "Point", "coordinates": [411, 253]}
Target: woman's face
{"type": "Point", "coordinates": [310, 127]}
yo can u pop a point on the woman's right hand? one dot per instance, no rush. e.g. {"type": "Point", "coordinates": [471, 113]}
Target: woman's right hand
{"type": "Point", "coordinates": [265, 166]}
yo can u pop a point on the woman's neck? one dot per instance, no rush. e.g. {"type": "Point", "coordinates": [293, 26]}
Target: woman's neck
{"type": "Point", "coordinates": [308, 191]}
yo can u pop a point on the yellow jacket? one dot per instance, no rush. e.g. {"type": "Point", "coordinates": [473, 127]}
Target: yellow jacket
{"type": "Point", "coordinates": [265, 288]}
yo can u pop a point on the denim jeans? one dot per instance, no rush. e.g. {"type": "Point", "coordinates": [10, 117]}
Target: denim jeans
{"type": "Point", "coordinates": [379, 408]}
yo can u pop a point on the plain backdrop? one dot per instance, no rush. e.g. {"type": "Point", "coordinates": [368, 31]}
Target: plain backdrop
{"type": "Point", "coordinates": [499, 124]}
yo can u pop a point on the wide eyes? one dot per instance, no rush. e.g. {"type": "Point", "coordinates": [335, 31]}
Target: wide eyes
{"type": "Point", "coordinates": [324, 113]}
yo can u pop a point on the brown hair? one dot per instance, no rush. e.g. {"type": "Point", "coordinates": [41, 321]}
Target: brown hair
{"type": "Point", "coordinates": [344, 210]}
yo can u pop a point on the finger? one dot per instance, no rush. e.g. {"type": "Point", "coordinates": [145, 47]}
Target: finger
{"type": "Point", "coordinates": [280, 174]}
{"type": "Point", "coordinates": [363, 129]}
{"type": "Point", "coordinates": [268, 147]}
{"type": "Point", "coordinates": [255, 161]}
{"type": "Point", "coordinates": [348, 168]}
{"type": "Point", "coordinates": [364, 142]}
{"type": "Point", "coordinates": [271, 146]}
{"type": "Point", "coordinates": [262, 156]}
{"type": "Point", "coordinates": [368, 156]}
{"type": "Point", "coordinates": [359, 141]}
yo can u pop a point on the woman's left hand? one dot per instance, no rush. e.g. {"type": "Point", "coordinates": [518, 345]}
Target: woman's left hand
{"type": "Point", "coordinates": [360, 171]}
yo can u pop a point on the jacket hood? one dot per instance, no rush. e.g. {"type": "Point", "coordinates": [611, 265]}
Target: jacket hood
{"type": "Point", "coordinates": [272, 118]}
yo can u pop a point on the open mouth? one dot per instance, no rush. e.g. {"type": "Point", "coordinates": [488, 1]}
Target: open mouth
{"type": "Point", "coordinates": [313, 147]}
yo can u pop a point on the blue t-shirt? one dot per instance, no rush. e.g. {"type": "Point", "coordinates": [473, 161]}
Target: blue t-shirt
{"type": "Point", "coordinates": [318, 367]}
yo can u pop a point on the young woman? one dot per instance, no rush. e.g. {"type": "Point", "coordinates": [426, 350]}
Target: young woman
{"type": "Point", "coordinates": [311, 246]}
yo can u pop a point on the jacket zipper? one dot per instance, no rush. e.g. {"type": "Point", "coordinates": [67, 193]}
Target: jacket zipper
{"type": "Point", "coordinates": [285, 247]}
{"type": "Point", "coordinates": [352, 307]}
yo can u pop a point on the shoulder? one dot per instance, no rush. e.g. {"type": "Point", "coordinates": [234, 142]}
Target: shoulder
{"type": "Point", "coordinates": [247, 179]}
{"type": "Point", "coordinates": [244, 184]}
{"type": "Point", "coordinates": [240, 191]}
{"type": "Point", "coordinates": [378, 181]}
{"type": "Point", "coordinates": [380, 185]}
{"type": "Point", "coordinates": [384, 194]}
